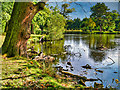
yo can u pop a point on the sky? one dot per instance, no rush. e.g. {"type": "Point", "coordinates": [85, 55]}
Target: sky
{"type": "Point", "coordinates": [84, 10]}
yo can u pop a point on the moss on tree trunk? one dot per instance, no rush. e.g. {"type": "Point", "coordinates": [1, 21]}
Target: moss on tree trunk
{"type": "Point", "coordinates": [19, 28]}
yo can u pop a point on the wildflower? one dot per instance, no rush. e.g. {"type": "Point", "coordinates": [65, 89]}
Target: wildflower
{"type": "Point", "coordinates": [42, 85]}
{"type": "Point", "coordinates": [31, 62]}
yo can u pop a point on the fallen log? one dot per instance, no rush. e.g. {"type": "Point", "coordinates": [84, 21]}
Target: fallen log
{"type": "Point", "coordinates": [72, 75]}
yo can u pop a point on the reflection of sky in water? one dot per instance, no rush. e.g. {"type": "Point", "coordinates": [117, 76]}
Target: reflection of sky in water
{"type": "Point", "coordinates": [86, 45]}
{"type": "Point", "coordinates": [79, 45]}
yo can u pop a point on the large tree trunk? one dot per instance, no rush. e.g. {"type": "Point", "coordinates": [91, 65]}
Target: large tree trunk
{"type": "Point", "coordinates": [19, 28]}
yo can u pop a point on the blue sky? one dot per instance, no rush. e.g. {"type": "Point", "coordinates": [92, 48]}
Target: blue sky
{"type": "Point", "coordinates": [79, 12]}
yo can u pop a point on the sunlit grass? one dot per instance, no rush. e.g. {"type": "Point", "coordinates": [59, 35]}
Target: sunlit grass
{"type": "Point", "coordinates": [18, 72]}
{"type": "Point", "coordinates": [90, 32]}
{"type": "Point", "coordinates": [34, 35]}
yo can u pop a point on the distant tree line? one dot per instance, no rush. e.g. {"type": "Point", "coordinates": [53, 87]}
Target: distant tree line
{"type": "Point", "coordinates": [101, 19]}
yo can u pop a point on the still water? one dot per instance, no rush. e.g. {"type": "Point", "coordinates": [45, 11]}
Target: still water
{"type": "Point", "coordinates": [83, 49]}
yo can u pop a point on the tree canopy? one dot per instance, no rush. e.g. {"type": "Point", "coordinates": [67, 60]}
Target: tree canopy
{"type": "Point", "coordinates": [101, 19]}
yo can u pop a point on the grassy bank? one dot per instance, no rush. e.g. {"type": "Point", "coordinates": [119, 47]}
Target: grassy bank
{"type": "Point", "coordinates": [88, 32]}
{"type": "Point", "coordinates": [18, 72]}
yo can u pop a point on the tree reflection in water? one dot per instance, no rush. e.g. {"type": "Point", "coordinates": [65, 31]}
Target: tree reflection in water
{"type": "Point", "coordinates": [97, 56]}
{"type": "Point", "coordinates": [95, 41]}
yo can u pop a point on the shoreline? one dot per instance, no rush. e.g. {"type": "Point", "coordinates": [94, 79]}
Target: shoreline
{"type": "Point", "coordinates": [87, 32]}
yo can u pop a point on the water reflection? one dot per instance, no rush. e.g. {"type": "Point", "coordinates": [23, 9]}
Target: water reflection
{"type": "Point", "coordinates": [97, 56]}
{"type": "Point", "coordinates": [95, 41]}
{"type": "Point", "coordinates": [87, 46]}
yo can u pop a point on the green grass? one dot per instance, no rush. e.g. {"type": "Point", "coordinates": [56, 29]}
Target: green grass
{"type": "Point", "coordinates": [34, 35]}
{"type": "Point", "coordinates": [18, 72]}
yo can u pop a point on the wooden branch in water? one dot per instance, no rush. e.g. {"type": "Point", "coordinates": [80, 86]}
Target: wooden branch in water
{"type": "Point", "coordinates": [72, 75]}
{"type": "Point", "coordinates": [111, 63]}
{"type": "Point", "coordinates": [111, 59]}
{"type": "Point", "coordinates": [91, 79]}
{"type": "Point", "coordinates": [100, 80]}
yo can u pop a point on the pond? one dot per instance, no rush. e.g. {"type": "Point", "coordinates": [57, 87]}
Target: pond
{"type": "Point", "coordinates": [83, 50]}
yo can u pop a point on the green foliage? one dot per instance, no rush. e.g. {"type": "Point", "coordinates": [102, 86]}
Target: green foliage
{"type": "Point", "coordinates": [7, 8]}
{"type": "Point", "coordinates": [51, 22]}
{"type": "Point", "coordinates": [56, 26]}
{"type": "Point", "coordinates": [73, 24]}
{"type": "Point", "coordinates": [119, 26]}
{"type": "Point", "coordinates": [77, 24]}
{"type": "Point", "coordinates": [40, 20]}
{"type": "Point", "coordinates": [101, 14]}
{"type": "Point", "coordinates": [87, 24]}
{"type": "Point", "coordinates": [111, 26]}
{"type": "Point", "coordinates": [104, 19]}
{"type": "Point", "coordinates": [99, 10]}
{"type": "Point", "coordinates": [101, 19]}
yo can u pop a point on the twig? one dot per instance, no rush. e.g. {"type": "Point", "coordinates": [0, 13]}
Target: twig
{"type": "Point", "coordinates": [100, 80]}
{"type": "Point", "coordinates": [111, 63]}
{"type": "Point", "coordinates": [111, 59]}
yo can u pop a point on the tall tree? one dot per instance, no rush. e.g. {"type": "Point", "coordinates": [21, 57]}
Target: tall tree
{"type": "Point", "coordinates": [99, 11]}
{"type": "Point", "coordinates": [19, 27]}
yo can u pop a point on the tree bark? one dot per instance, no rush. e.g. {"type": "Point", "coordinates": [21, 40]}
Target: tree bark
{"type": "Point", "coordinates": [19, 28]}
{"type": "Point", "coordinates": [100, 28]}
